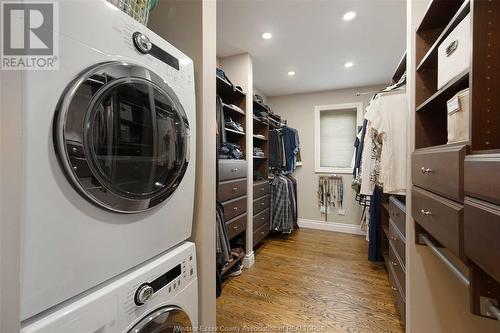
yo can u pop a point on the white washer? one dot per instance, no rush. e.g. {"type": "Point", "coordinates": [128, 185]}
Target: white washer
{"type": "Point", "coordinates": [161, 296]}
{"type": "Point", "coordinates": [109, 154]}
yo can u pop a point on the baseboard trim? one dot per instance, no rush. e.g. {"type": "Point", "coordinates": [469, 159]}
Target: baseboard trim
{"type": "Point", "coordinates": [331, 226]}
{"type": "Point", "coordinates": [249, 260]}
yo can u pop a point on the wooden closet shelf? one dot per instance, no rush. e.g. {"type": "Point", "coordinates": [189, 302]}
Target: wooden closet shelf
{"type": "Point", "coordinates": [229, 130]}
{"type": "Point", "coordinates": [438, 14]}
{"type": "Point", "coordinates": [430, 58]}
{"type": "Point", "coordinates": [234, 111]}
{"type": "Point", "coordinates": [259, 138]}
{"type": "Point", "coordinates": [445, 93]}
{"type": "Point", "coordinates": [226, 91]}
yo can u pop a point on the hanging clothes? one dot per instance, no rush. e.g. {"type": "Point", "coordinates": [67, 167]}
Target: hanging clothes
{"type": "Point", "coordinates": [375, 252]}
{"type": "Point", "coordinates": [383, 160]}
{"type": "Point", "coordinates": [283, 204]}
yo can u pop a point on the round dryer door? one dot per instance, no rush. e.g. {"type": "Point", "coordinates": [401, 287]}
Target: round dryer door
{"type": "Point", "coordinates": [122, 137]}
{"type": "Point", "coordinates": [169, 319]}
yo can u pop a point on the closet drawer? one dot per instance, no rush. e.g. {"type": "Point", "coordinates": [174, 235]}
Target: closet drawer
{"type": "Point", "coordinates": [398, 296]}
{"type": "Point", "coordinates": [260, 189]}
{"type": "Point", "coordinates": [481, 230]}
{"type": "Point", "coordinates": [398, 241]}
{"type": "Point", "coordinates": [232, 169]}
{"type": "Point", "coordinates": [231, 189]}
{"type": "Point", "coordinates": [440, 217]}
{"type": "Point", "coordinates": [397, 211]}
{"type": "Point", "coordinates": [260, 219]}
{"type": "Point", "coordinates": [482, 177]}
{"type": "Point", "coordinates": [260, 234]}
{"type": "Point", "coordinates": [234, 207]}
{"type": "Point", "coordinates": [398, 268]}
{"type": "Point", "coordinates": [260, 204]}
{"type": "Point", "coordinates": [236, 225]}
{"type": "Point", "coordinates": [440, 170]}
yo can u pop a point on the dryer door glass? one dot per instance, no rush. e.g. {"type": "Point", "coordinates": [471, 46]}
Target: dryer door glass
{"type": "Point", "coordinates": [136, 139]}
{"type": "Point", "coordinates": [122, 137]}
{"type": "Point", "coordinates": [164, 320]}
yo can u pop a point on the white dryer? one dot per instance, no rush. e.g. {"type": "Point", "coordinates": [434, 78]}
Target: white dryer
{"type": "Point", "coordinates": [109, 154]}
{"type": "Point", "coordinates": [160, 296]}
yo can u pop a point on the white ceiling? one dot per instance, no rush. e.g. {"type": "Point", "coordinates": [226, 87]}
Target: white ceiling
{"type": "Point", "coordinates": [311, 38]}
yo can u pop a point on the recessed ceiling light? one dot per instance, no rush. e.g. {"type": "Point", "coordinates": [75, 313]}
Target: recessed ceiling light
{"type": "Point", "coordinates": [349, 16]}
{"type": "Point", "coordinates": [291, 73]}
{"type": "Point", "coordinates": [267, 35]}
{"type": "Point", "coordinates": [348, 64]}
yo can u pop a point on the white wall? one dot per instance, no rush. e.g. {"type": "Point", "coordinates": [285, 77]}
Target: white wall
{"type": "Point", "coordinates": [191, 27]}
{"type": "Point", "coordinates": [298, 110]}
{"type": "Point", "coordinates": [436, 301]}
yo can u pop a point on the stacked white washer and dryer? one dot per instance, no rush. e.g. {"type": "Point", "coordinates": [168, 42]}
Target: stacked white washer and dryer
{"type": "Point", "coordinates": [109, 146]}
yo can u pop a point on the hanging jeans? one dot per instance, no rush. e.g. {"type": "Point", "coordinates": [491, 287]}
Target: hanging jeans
{"type": "Point", "coordinates": [375, 246]}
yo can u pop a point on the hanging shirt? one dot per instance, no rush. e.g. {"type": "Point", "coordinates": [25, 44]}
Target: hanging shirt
{"type": "Point", "coordinates": [388, 117]}
{"type": "Point", "coordinates": [370, 160]}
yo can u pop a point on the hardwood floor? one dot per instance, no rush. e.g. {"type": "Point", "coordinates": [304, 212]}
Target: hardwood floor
{"type": "Point", "coordinates": [315, 281]}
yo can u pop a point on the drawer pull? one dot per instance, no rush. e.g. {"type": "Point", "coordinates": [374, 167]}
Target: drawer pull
{"type": "Point", "coordinates": [425, 212]}
{"type": "Point", "coordinates": [262, 232]}
{"type": "Point", "coordinates": [262, 189]}
{"type": "Point", "coordinates": [235, 189]}
{"type": "Point", "coordinates": [426, 170]}
{"type": "Point", "coordinates": [393, 263]}
{"type": "Point", "coordinates": [235, 208]}
{"type": "Point", "coordinates": [262, 203]}
{"type": "Point", "coordinates": [262, 218]}
{"type": "Point", "coordinates": [394, 288]}
{"type": "Point", "coordinates": [234, 170]}
{"type": "Point", "coordinates": [235, 227]}
{"type": "Point", "coordinates": [394, 238]}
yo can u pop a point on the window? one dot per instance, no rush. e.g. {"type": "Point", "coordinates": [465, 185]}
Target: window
{"type": "Point", "coordinates": [335, 131]}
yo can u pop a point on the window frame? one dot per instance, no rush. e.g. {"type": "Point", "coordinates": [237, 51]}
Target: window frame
{"type": "Point", "coordinates": [317, 135]}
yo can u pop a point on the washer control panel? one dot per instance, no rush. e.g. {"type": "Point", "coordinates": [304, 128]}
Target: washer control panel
{"type": "Point", "coordinates": [170, 279]}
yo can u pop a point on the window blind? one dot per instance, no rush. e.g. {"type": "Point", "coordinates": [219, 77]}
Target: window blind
{"type": "Point", "coordinates": [337, 134]}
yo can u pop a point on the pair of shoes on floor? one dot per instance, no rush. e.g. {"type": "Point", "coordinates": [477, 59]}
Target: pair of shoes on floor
{"type": "Point", "coordinates": [236, 270]}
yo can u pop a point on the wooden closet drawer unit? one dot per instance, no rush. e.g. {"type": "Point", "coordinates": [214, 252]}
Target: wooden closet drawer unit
{"type": "Point", "coordinates": [440, 170]}
{"type": "Point", "coordinates": [481, 231]}
{"type": "Point", "coordinates": [260, 234]}
{"type": "Point", "coordinates": [482, 177]}
{"type": "Point", "coordinates": [232, 169]}
{"type": "Point", "coordinates": [261, 218]}
{"type": "Point", "coordinates": [397, 211]}
{"type": "Point", "coordinates": [231, 189]}
{"type": "Point", "coordinates": [236, 225]}
{"type": "Point", "coordinates": [398, 295]}
{"type": "Point", "coordinates": [260, 204]}
{"type": "Point", "coordinates": [260, 189]}
{"type": "Point", "coordinates": [398, 268]}
{"type": "Point", "coordinates": [234, 207]}
{"type": "Point", "coordinates": [398, 241]}
{"type": "Point", "coordinates": [440, 217]}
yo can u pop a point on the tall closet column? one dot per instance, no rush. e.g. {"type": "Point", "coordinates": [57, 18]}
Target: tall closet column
{"type": "Point", "coordinates": [239, 69]}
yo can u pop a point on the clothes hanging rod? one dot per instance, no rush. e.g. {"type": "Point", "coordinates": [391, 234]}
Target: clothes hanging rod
{"type": "Point", "coordinates": [367, 92]}
{"type": "Point", "coordinates": [448, 263]}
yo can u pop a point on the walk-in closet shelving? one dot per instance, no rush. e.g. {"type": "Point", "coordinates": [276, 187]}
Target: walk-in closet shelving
{"type": "Point", "coordinates": [455, 200]}
{"type": "Point", "coordinates": [232, 175]}
{"type": "Point", "coordinates": [261, 202]}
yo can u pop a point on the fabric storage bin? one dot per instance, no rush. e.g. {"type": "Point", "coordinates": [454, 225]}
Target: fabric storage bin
{"type": "Point", "coordinates": [458, 117]}
{"type": "Point", "coordinates": [454, 53]}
